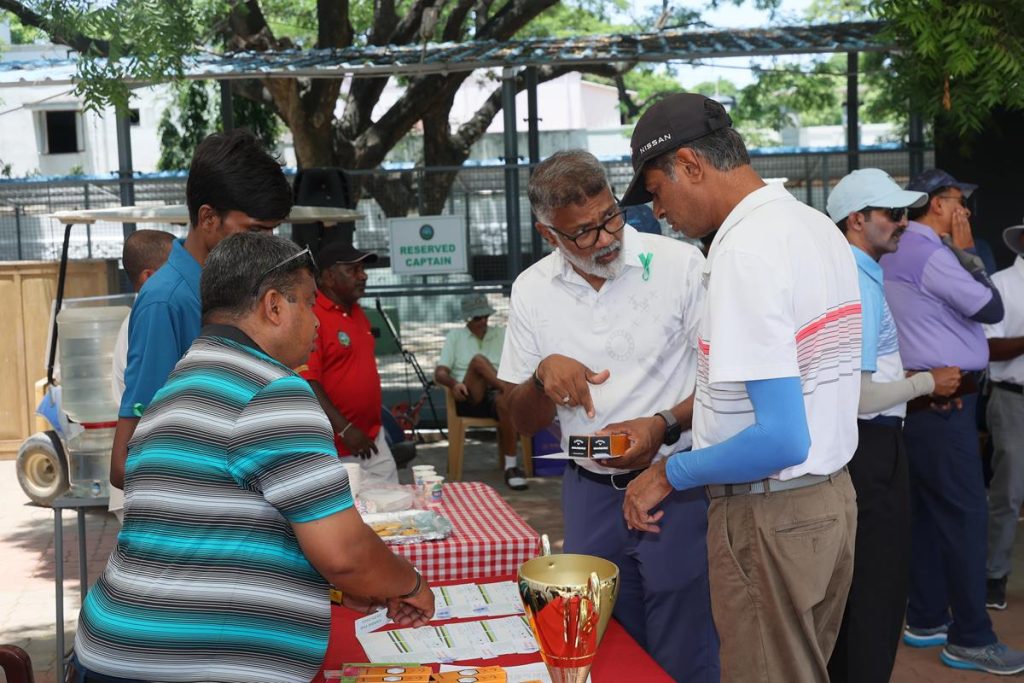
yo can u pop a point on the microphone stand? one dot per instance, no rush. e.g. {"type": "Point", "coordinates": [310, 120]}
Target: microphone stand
{"type": "Point", "coordinates": [410, 358]}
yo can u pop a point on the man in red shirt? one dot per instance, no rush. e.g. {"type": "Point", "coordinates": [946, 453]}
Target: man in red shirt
{"type": "Point", "coordinates": [342, 369]}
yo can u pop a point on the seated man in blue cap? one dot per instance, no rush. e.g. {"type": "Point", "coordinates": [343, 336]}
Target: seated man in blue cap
{"type": "Point", "coordinates": [467, 366]}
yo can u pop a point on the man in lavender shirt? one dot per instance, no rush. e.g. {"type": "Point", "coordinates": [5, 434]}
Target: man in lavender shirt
{"type": "Point", "coordinates": [940, 296]}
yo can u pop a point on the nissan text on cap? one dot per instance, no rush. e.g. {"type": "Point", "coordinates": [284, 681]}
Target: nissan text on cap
{"type": "Point", "coordinates": [669, 124]}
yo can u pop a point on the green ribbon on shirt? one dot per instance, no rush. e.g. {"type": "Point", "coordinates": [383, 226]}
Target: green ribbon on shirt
{"type": "Point", "coordinates": [645, 261]}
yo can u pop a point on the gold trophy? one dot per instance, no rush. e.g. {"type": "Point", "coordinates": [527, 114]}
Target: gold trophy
{"type": "Point", "coordinates": [568, 601]}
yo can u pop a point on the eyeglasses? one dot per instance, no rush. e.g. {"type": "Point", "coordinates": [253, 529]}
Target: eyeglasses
{"type": "Point", "coordinates": [586, 238]}
{"type": "Point", "coordinates": [294, 257]}
{"type": "Point", "coordinates": [895, 214]}
{"type": "Point", "coordinates": [961, 199]}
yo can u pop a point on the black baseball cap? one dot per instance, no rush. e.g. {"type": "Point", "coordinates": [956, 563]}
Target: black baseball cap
{"type": "Point", "coordinates": [342, 252]}
{"type": "Point", "coordinates": [669, 124]}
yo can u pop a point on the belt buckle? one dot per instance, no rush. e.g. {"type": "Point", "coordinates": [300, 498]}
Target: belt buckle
{"type": "Point", "coordinates": [611, 480]}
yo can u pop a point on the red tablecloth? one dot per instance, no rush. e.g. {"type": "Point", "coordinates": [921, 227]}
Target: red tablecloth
{"type": "Point", "coordinates": [489, 538]}
{"type": "Point", "coordinates": [619, 657]}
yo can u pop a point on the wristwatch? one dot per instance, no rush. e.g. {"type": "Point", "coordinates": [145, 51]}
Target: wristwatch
{"type": "Point", "coordinates": [673, 430]}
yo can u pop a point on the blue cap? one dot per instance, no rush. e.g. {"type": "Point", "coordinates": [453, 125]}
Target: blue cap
{"type": "Point", "coordinates": [935, 179]}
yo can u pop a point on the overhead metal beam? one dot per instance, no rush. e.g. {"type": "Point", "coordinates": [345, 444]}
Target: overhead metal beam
{"type": "Point", "coordinates": [442, 58]}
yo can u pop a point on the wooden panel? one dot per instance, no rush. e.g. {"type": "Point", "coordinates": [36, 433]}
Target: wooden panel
{"type": "Point", "coordinates": [27, 289]}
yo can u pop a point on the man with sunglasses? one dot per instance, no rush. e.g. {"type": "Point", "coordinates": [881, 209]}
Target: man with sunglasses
{"type": "Point", "coordinates": [871, 210]}
{"type": "Point", "coordinates": [239, 516]}
{"type": "Point", "coordinates": [939, 303]}
{"type": "Point", "coordinates": [343, 368]}
{"type": "Point", "coordinates": [233, 186]}
{"type": "Point", "coordinates": [468, 367]}
{"type": "Point", "coordinates": [601, 332]}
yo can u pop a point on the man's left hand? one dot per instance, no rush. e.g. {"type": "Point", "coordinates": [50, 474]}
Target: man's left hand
{"type": "Point", "coordinates": [642, 495]}
{"type": "Point", "coordinates": [359, 603]}
{"type": "Point", "coordinates": [962, 235]}
{"type": "Point", "coordinates": [645, 436]}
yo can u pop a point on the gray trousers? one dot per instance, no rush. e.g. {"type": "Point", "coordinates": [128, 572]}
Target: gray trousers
{"type": "Point", "coordinates": [1006, 492]}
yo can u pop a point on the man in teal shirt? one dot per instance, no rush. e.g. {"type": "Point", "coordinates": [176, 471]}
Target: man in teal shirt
{"type": "Point", "coordinates": [233, 186]}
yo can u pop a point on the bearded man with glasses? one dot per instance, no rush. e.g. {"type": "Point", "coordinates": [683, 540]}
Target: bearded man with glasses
{"type": "Point", "coordinates": [601, 332]}
{"type": "Point", "coordinates": [940, 296]}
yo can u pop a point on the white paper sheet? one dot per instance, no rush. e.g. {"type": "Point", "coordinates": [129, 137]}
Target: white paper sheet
{"type": "Point", "coordinates": [476, 600]}
{"type": "Point", "coordinates": [484, 639]}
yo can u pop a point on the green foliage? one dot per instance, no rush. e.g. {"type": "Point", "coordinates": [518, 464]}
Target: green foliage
{"type": "Point", "coordinates": [153, 37]}
{"type": "Point", "coordinates": [21, 34]}
{"type": "Point", "coordinates": [960, 59]}
{"type": "Point", "coordinates": [196, 113]}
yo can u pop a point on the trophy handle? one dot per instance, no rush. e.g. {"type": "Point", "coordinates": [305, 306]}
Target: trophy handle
{"type": "Point", "coordinates": [545, 545]}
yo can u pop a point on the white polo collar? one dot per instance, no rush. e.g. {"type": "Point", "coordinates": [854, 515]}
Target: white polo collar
{"type": "Point", "coordinates": [632, 247]}
{"type": "Point", "coordinates": [771, 192]}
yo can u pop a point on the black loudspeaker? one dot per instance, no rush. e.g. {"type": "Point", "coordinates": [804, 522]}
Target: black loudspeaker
{"type": "Point", "coordinates": [322, 187]}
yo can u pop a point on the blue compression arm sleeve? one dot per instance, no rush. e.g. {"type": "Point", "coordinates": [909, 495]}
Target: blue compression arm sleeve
{"type": "Point", "coordinates": [779, 438]}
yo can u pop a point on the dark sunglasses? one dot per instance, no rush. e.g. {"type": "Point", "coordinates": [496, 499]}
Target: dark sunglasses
{"type": "Point", "coordinates": [895, 214]}
{"type": "Point", "coordinates": [305, 253]}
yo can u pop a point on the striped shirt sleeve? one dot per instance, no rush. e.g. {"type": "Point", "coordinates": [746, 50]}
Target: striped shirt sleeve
{"type": "Point", "coordinates": [283, 447]}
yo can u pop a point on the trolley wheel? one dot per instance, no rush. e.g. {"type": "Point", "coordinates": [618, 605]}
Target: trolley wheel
{"type": "Point", "coordinates": [42, 467]}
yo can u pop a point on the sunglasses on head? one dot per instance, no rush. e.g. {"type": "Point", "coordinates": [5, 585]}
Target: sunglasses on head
{"type": "Point", "coordinates": [305, 253]}
{"type": "Point", "coordinates": [895, 214]}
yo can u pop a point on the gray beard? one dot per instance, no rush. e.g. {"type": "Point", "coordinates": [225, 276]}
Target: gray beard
{"type": "Point", "coordinates": [607, 271]}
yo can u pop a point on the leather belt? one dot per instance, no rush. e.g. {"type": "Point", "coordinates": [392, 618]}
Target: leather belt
{"type": "Point", "coordinates": [1009, 386]}
{"type": "Point", "coordinates": [616, 481]}
{"type": "Point", "coordinates": [968, 385]}
{"type": "Point", "coordinates": [766, 486]}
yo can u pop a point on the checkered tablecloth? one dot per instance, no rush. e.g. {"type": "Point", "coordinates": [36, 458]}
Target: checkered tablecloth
{"type": "Point", "coordinates": [489, 538]}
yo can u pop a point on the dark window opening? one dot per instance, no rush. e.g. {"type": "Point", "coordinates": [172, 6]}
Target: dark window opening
{"type": "Point", "coordinates": [61, 137]}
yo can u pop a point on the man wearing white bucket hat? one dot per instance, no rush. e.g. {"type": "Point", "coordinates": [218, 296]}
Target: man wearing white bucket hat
{"type": "Point", "coordinates": [1006, 420]}
{"type": "Point", "coordinates": [468, 366]}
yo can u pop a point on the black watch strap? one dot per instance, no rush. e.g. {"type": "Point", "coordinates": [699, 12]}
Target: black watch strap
{"type": "Point", "coordinates": [673, 430]}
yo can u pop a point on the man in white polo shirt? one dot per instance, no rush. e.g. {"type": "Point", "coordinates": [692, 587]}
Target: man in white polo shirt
{"type": "Point", "coordinates": [601, 331]}
{"type": "Point", "coordinates": [871, 210]}
{"type": "Point", "coordinates": [1006, 421]}
{"type": "Point", "coordinates": [775, 409]}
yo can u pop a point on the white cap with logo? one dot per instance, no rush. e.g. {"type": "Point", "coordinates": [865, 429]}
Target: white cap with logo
{"type": "Point", "coordinates": [869, 187]}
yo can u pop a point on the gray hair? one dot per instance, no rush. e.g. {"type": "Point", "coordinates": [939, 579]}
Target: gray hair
{"type": "Point", "coordinates": [244, 267]}
{"type": "Point", "coordinates": [723, 149]}
{"type": "Point", "coordinates": [565, 178]}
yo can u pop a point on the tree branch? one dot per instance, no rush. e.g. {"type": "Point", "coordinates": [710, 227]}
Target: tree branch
{"type": "Point", "coordinates": [453, 29]}
{"type": "Point", "coordinates": [76, 41]}
{"type": "Point", "coordinates": [512, 16]}
{"type": "Point", "coordinates": [333, 26]}
{"type": "Point", "coordinates": [384, 22]}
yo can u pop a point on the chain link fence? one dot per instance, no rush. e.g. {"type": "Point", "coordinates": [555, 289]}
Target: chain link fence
{"type": "Point", "coordinates": [423, 308]}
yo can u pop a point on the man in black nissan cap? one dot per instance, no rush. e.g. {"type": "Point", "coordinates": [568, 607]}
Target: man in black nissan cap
{"type": "Point", "coordinates": [775, 406]}
{"type": "Point", "coordinates": [342, 368]}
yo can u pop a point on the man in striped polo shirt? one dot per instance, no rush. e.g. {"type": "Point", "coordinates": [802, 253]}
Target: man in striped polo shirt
{"type": "Point", "coordinates": [775, 408]}
{"type": "Point", "coordinates": [238, 515]}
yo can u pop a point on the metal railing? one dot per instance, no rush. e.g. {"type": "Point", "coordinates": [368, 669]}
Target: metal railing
{"type": "Point", "coordinates": [426, 306]}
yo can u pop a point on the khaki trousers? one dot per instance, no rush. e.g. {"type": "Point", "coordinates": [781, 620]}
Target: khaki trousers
{"type": "Point", "coordinates": [780, 569]}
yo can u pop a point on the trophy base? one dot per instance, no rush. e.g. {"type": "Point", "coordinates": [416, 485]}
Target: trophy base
{"type": "Point", "coordinates": [569, 669]}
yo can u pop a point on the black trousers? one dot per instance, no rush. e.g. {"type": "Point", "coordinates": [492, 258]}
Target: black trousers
{"type": "Point", "coordinates": [866, 648]}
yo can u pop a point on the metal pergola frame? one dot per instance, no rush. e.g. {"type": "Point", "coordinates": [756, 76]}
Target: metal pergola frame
{"type": "Point", "coordinates": [530, 54]}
